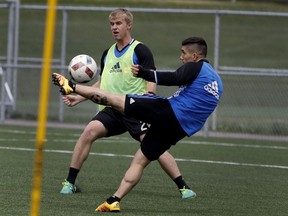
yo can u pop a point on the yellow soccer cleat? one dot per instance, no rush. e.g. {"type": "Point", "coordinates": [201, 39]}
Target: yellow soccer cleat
{"type": "Point", "coordinates": [106, 207]}
{"type": "Point", "coordinates": [66, 86]}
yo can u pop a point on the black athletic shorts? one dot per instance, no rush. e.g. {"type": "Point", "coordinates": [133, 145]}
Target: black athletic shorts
{"type": "Point", "coordinates": [164, 130]}
{"type": "Point", "coordinates": [117, 123]}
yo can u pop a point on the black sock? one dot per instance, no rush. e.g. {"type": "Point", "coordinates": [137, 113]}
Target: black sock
{"type": "Point", "coordinates": [112, 199]}
{"type": "Point", "coordinates": [72, 175]}
{"type": "Point", "coordinates": [179, 181]}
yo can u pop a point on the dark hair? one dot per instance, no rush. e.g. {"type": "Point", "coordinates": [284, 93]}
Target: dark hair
{"type": "Point", "coordinates": [202, 45]}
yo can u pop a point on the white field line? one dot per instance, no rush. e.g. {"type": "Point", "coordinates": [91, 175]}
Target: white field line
{"type": "Point", "coordinates": [130, 140]}
{"type": "Point", "coordinates": [130, 156]}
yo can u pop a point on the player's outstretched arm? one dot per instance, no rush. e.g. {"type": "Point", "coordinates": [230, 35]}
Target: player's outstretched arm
{"type": "Point", "coordinates": [99, 96]}
{"type": "Point", "coordinates": [139, 71]}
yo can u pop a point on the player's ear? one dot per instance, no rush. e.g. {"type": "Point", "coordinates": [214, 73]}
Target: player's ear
{"type": "Point", "coordinates": [129, 26]}
{"type": "Point", "coordinates": [195, 56]}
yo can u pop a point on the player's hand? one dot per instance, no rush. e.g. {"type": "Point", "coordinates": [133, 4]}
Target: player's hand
{"type": "Point", "coordinates": [135, 70]}
{"type": "Point", "coordinates": [71, 100]}
{"type": "Point", "coordinates": [150, 93]}
{"type": "Point", "coordinates": [139, 71]}
{"type": "Point", "coordinates": [66, 86]}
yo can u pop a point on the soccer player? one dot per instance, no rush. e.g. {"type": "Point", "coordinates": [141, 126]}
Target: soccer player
{"type": "Point", "coordinates": [171, 119]}
{"type": "Point", "coordinates": [116, 77]}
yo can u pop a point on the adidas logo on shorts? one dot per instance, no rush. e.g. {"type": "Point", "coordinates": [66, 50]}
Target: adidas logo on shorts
{"type": "Point", "coordinates": [132, 100]}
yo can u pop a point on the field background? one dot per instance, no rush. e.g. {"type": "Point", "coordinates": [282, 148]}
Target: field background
{"type": "Point", "coordinates": [250, 104]}
{"type": "Point", "coordinates": [231, 176]}
{"type": "Point", "coordinates": [239, 177]}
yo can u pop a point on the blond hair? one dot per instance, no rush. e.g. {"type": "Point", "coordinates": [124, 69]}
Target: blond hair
{"type": "Point", "coordinates": [122, 12]}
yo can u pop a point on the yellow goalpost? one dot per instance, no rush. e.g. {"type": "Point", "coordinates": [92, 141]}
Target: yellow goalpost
{"type": "Point", "coordinates": [43, 105]}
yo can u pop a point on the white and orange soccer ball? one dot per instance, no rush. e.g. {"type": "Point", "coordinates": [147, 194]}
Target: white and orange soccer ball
{"type": "Point", "coordinates": [82, 68]}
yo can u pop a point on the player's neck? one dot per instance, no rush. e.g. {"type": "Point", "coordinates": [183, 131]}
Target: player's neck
{"type": "Point", "coordinates": [123, 43]}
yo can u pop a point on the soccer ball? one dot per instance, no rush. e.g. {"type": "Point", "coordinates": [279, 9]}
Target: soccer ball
{"type": "Point", "coordinates": [82, 68]}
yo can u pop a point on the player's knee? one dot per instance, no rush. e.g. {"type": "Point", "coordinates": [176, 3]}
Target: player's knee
{"type": "Point", "coordinates": [92, 133]}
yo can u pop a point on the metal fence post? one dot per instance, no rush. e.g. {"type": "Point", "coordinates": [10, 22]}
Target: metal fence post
{"type": "Point", "coordinates": [15, 50]}
{"type": "Point", "coordinates": [63, 57]}
{"type": "Point", "coordinates": [216, 60]}
{"type": "Point", "coordinates": [3, 98]}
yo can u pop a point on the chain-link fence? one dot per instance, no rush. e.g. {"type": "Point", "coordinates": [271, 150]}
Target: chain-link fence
{"type": "Point", "coordinates": [249, 50]}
